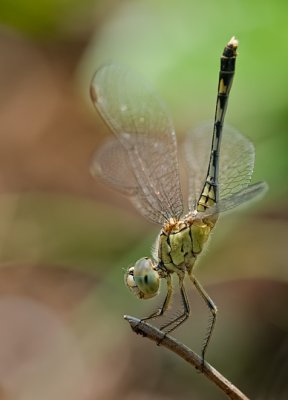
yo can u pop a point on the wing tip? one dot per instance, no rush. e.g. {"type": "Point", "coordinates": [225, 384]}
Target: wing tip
{"type": "Point", "coordinates": [262, 186]}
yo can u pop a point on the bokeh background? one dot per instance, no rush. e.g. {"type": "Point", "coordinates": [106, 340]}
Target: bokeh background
{"type": "Point", "coordinates": [65, 238]}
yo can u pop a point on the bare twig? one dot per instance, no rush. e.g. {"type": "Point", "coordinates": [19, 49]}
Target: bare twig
{"type": "Point", "coordinates": [187, 354]}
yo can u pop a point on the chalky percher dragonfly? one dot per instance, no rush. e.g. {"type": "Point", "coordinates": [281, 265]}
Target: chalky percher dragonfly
{"type": "Point", "coordinates": [141, 162]}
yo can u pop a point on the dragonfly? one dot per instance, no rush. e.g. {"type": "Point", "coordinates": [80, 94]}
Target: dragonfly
{"type": "Point", "coordinates": [141, 161]}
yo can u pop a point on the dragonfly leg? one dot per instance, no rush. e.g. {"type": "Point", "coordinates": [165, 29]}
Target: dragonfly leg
{"type": "Point", "coordinates": [213, 309]}
{"type": "Point", "coordinates": [165, 304]}
{"type": "Point", "coordinates": [172, 325]}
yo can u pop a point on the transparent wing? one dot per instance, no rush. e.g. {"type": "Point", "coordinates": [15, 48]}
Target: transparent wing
{"type": "Point", "coordinates": [111, 164]}
{"type": "Point", "coordinates": [196, 148]}
{"type": "Point", "coordinates": [235, 166]}
{"type": "Point", "coordinates": [141, 124]}
{"type": "Point", "coordinates": [237, 157]}
{"type": "Point", "coordinates": [251, 192]}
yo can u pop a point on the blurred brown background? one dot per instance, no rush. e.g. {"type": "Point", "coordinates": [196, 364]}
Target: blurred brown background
{"type": "Point", "coordinates": [65, 238]}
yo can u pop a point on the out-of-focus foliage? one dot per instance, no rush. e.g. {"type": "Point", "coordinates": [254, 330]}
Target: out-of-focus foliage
{"type": "Point", "coordinates": [41, 18]}
{"type": "Point", "coordinates": [65, 238]}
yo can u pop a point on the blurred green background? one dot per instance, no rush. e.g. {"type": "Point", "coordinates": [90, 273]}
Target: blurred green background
{"type": "Point", "coordinates": [65, 238]}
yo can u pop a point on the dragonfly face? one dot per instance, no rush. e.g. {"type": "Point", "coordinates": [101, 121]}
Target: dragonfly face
{"type": "Point", "coordinates": [142, 163]}
{"type": "Point", "coordinates": [143, 279]}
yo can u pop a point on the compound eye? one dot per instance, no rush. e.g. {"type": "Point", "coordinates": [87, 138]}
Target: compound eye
{"type": "Point", "coordinates": [142, 279]}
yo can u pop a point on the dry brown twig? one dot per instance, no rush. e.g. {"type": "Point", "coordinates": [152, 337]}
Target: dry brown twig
{"type": "Point", "coordinates": [147, 330]}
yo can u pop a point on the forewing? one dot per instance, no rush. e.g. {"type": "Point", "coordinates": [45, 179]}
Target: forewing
{"type": "Point", "coordinates": [235, 165]}
{"type": "Point", "coordinates": [111, 164]}
{"type": "Point", "coordinates": [140, 122]}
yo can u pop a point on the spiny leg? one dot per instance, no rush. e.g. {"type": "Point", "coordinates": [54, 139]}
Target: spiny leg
{"type": "Point", "coordinates": [213, 309]}
{"type": "Point", "coordinates": [165, 304]}
{"type": "Point", "coordinates": [186, 310]}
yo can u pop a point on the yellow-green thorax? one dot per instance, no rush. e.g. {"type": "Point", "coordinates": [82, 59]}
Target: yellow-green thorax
{"type": "Point", "coordinates": [181, 241]}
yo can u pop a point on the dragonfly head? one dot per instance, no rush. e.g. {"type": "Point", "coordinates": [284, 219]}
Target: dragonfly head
{"type": "Point", "coordinates": [142, 279]}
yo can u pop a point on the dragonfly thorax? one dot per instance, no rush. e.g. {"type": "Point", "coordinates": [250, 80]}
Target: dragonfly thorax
{"type": "Point", "coordinates": [181, 241]}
